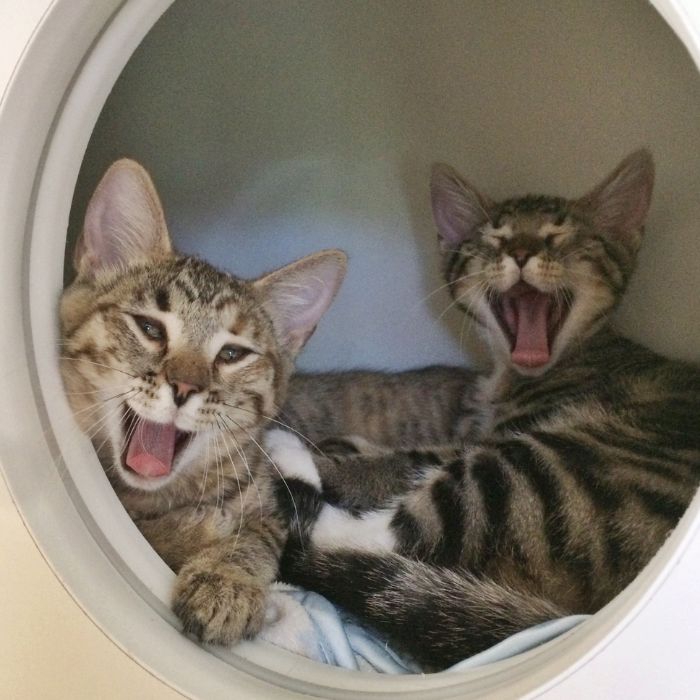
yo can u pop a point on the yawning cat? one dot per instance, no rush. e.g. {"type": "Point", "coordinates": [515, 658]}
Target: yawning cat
{"type": "Point", "coordinates": [173, 369]}
{"type": "Point", "coordinates": [581, 448]}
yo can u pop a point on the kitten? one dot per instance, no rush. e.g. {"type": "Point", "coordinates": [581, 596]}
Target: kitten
{"type": "Point", "coordinates": [582, 448]}
{"type": "Point", "coordinates": [174, 369]}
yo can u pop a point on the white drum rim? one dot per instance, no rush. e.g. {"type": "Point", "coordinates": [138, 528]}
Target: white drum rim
{"type": "Point", "coordinates": [106, 550]}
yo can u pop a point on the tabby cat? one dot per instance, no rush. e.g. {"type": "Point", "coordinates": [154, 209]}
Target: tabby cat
{"type": "Point", "coordinates": [581, 448]}
{"type": "Point", "coordinates": [174, 369]}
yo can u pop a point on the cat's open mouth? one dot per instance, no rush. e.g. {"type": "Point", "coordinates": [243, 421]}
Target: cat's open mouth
{"type": "Point", "coordinates": [150, 448]}
{"type": "Point", "coordinates": [530, 320]}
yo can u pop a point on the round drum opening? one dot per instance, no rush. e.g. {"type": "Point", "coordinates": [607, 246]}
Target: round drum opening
{"type": "Point", "coordinates": [272, 131]}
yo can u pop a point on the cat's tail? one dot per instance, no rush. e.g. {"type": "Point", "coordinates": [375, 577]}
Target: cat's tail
{"type": "Point", "coordinates": [435, 615]}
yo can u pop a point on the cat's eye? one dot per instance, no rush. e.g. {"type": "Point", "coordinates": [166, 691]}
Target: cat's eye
{"type": "Point", "coordinates": [152, 329]}
{"type": "Point", "coordinates": [232, 353]}
{"type": "Point", "coordinates": [495, 241]}
{"type": "Point", "coordinates": [552, 238]}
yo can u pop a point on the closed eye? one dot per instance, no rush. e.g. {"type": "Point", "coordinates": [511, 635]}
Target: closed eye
{"type": "Point", "coordinates": [552, 239]}
{"type": "Point", "coordinates": [151, 328]}
{"type": "Point", "coordinates": [493, 240]}
{"type": "Point", "coordinates": [230, 354]}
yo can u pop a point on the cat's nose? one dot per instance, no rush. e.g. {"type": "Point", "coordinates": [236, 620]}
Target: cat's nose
{"type": "Point", "coordinates": [182, 391]}
{"type": "Point", "coordinates": [521, 256]}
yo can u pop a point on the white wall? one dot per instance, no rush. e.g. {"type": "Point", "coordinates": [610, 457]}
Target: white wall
{"type": "Point", "coordinates": [274, 129]}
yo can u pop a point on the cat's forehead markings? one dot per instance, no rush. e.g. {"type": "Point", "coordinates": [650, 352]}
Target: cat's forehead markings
{"type": "Point", "coordinates": [185, 289]}
{"type": "Point", "coordinates": [239, 326]}
{"type": "Point", "coordinates": [232, 319]}
{"type": "Point", "coordinates": [162, 299]}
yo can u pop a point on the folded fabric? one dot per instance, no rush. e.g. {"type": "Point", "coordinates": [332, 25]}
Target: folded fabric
{"type": "Point", "coordinates": [308, 624]}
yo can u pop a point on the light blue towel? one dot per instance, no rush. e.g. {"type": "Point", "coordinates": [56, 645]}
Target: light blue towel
{"type": "Point", "coordinates": [308, 624]}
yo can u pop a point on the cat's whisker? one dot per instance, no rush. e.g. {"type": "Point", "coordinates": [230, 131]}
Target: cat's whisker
{"type": "Point", "coordinates": [483, 289]}
{"type": "Point", "coordinates": [90, 432]}
{"type": "Point", "coordinates": [452, 250]}
{"type": "Point", "coordinates": [84, 393]}
{"type": "Point", "coordinates": [466, 318]}
{"type": "Point", "coordinates": [451, 305]}
{"type": "Point", "coordinates": [205, 474]}
{"type": "Point", "coordinates": [219, 473]}
{"type": "Point", "coordinates": [244, 459]}
{"type": "Point", "coordinates": [217, 470]}
{"type": "Point", "coordinates": [98, 364]}
{"type": "Point", "coordinates": [110, 412]}
{"type": "Point", "coordinates": [97, 404]}
{"type": "Point", "coordinates": [456, 281]}
{"type": "Point", "coordinates": [583, 274]}
{"type": "Point", "coordinates": [93, 428]}
{"type": "Point", "coordinates": [474, 289]}
{"type": "Point", "coordinates": [276, 468]}
{"type": "Point", "coordinates": [74, 434]}
{"type": "Point", "coordinates": [240, 491]}
{"type": "Point", "coordinates": [283, 424]}
{"type": "Point", "coordinates": [131, 428]}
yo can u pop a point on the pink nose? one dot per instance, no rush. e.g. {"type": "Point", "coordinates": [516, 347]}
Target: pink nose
{"type": "Point", "coordinates": [182, 391]}
{"type": "Point", "coordinates": [521, 256]}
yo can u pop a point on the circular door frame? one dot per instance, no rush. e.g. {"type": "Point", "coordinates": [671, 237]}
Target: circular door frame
{"type": "Point", "coordinates": [61, 81]}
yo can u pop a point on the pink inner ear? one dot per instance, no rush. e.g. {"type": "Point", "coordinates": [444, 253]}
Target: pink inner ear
{"type": "Point", "coordinates": [307, 300]}
{"type": "Point", "coordinates": [102, 236]}
{"type": "Point", "coordinates": [124, 220]}
{"type": "Point", "coordinates": [625, 207]}
{"type": "Point", "coordinates": [297, 296]}
{"type": "Point", "coordinates": [621, 202]}
{"type": "Point", "coordinates": [458, 209]}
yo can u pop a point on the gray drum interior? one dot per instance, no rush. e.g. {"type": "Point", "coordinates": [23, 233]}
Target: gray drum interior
{"type": "Point", "coordinates": [275, 129]}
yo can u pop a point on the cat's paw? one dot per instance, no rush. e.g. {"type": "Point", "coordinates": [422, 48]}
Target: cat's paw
{"type": "Point", "coordinates": [293, 460]}
{"type": "Point", "coordinates": [219, 606]}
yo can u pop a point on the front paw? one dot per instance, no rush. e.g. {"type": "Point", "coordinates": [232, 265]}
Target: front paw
{"type": "Point", "coordinates": [219, 606]}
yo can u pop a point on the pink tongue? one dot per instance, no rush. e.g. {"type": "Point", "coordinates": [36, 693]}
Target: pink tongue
{"type": "Point", "coordinates": [531, 342]}
{"type": "Point", "coordinates": [151, 448]}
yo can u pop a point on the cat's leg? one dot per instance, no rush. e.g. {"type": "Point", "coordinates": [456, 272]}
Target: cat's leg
{"type": "Point", "coordinates": [364, 514]}
{"type": "Point", "coordinates": [435, 615]}
{"type": "Point", "coordinates": [313, 520]}
{"type": "Point", "coordinates": [358, 475]}
{"type": "Point", "coordinates": [225, 561]}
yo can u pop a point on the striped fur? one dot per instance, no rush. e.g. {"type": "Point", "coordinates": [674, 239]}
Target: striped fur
{"type": "Point", "coordinates": [154, 338]}
{"type": "Point", "coordinates": [575, 466]}
{"type": "Point", "coordinates": [406, 409]}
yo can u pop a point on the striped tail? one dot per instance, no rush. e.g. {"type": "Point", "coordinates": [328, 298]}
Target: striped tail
{"type": "Point", "coordinates": [435, 615]}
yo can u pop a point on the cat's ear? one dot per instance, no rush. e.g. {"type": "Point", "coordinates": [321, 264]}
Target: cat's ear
{"type": "Point", "coordinates": [459, 209]}
{"type": "Point", "coordinates": [124, 222]}
{"type": "Point", "coordinates": [297, 295]}
{"type": "Point", "coordinates": [619, 204]}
